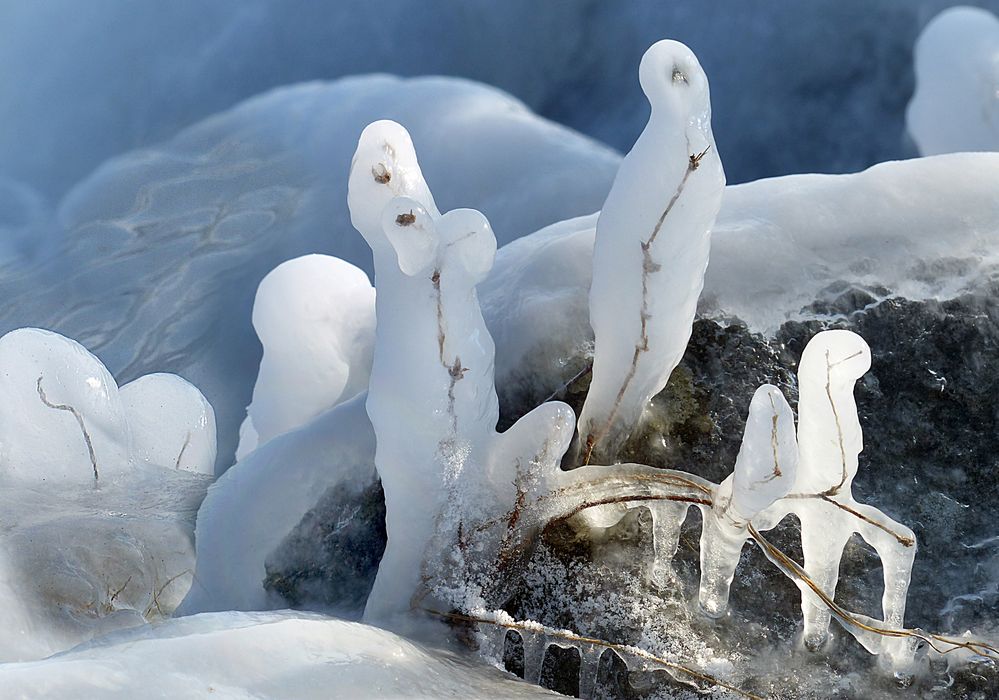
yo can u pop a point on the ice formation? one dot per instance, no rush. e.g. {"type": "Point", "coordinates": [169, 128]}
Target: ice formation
{"type": "Point", "coordinates": [96, 499]}
{"type": "Point", "coordinates": [448, 471]}
{"type": "Point", "coordinates": [252, 507]}
{"type": "Point", "coordinates": [172, 425]}
{"type": "Point", "coordinates": [259, 655]}
{"type": "Point", "coordinates": [651, 249]}
{"type": "Point", "coordinates": [956, 103]}
{"type": "Point", "coordinates": [764, 472]}
{"type": "Point", "coordinates": [315, 317]}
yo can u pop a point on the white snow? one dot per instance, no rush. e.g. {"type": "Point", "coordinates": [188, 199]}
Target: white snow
{"type": "Point", "coordinates": [172, 424]}
{"type": "Point", "coordinates": [956, 103]}
{"type": "Point", "coordinates": [236, 655]}
{"type": "Point", "coordinates": [315, 317]}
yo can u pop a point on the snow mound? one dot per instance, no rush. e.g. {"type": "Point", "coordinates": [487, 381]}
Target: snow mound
{"type": "Point", "coordinates": [259, 655]}
{"type": "Point", "coordinates": [956, 103]}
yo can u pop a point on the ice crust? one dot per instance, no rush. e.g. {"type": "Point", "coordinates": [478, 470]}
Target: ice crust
{"type": "Point", "coordinates": [315, 317]}
{"type": "Point", "coordinates": [956, 103]}
{"type": "Point", "coordinates": [255, 655]}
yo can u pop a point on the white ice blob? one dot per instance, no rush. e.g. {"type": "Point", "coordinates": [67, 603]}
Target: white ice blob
{"type": "Point", "coordinates": [315, 317]}
{"type": "Point", "coordinates": [651, 249]}
{"type": "Point", "coordinates": [61, 418]}
{"type": "Point", "coordinates": [172, 423]}
{"type": "Point", "coordinates": [956, 103]}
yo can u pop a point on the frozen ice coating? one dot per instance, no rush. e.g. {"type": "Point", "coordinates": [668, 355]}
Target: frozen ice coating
{"type": "Point", "coordinates": [651, 249]}
{"type": "Point", "coordinates": [433, 373]}
{"type": "Point", "coordinates": [831, 364]}
{"type": "Point", "coordinates": [172, 424]}
{"type": "Point", "coordinates": [61, 418]}
{"type": "Point", "coordinates": [315, 317]}
{"type": "Point", "coordinates": [955, 106]}
{"type": "Point", "coordinates": [829, 444]}
{"type": "Point", "coordinates": [253, 506]}
{"type": "Point", "coordinates": [764, 471]}
{"type": "Point", "coordinates": [259, 655]}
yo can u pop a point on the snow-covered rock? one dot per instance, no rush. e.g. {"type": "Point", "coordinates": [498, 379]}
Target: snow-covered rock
{"type": "Point", "coordinates": [258, 655]}
{"type": "Point", "coordinates": [956, 103]}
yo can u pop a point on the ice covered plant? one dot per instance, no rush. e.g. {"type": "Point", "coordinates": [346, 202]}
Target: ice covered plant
{"type": "Point", "coordinates": [465, 503]}
{"type": "Point", "coordinates": [651, 249]}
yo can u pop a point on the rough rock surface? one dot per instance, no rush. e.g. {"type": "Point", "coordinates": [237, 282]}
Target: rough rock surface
{"type": "Point", "coordinates": [931, 428]}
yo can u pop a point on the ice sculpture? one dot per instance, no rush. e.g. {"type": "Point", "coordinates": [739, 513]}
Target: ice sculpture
{"type": "Point", "coordinates": [651, 249]}
{"type": "Point", "coordinates": [955, 106]}
{"type": "Point", "coordinates": [315, 317]}
{"type": "Point", "coordinates": [447, 470]}
{"type": "Point", "coordinates": [172, 424]}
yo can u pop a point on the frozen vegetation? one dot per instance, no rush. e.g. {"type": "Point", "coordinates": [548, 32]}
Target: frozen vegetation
{"type": "Point", "coordinates": [396, 422]}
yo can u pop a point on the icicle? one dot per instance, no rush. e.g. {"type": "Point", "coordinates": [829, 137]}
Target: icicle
{"type": "Point", "coordinates": [764, 471]}
{"type": "Point", "coordinates": [589, 667]}
{"type": "Point", "coordinates": [492, 643]}
{"type": "Point", "coordinates": [535, 646]}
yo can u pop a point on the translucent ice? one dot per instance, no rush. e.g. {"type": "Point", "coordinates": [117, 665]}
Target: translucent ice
{"type": "Point", "coordinates": [172, 424]}
{"type": "Point", "coordinates": [448, 471]}
{"type": "Point", "coordinates": [651, 249]}
{"type": "Point", "coordinates": [765, 469]}
{"type": "Point", "coordinates": [315, 317]}
{"type": "Point", "coordinates": [61, 418]}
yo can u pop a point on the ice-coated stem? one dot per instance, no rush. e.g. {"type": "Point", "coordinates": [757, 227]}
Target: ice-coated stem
{"type": "Point", "coordinates": [432, 401]}
{"type": "Point", "coordinates": [764, 471]}
{"type": "Point", "coordinates": [651, 249]}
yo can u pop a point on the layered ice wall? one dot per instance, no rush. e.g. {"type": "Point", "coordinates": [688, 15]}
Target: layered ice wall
{"type": "Point", "coordinates": [956, 103]}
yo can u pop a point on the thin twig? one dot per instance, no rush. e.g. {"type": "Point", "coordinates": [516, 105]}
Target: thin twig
{"type": "Point", "coordinates": [79, 420]}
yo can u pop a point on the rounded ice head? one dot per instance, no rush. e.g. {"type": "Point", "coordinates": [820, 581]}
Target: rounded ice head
{"type": "Point", "coordinates": [412, 233]}
{"type": "Point", "coordinates": [384, 167]}
{"type": "Point", "coordinates": [469, 242]}
{"type": "Point", "coordinates": [672, 79]}
{"type": "Point", "coordinates": [955, 106]}
{"type": "Point", "coordinates": [767, 464]}
{"type": "Point", "coordinates": [61, 418]}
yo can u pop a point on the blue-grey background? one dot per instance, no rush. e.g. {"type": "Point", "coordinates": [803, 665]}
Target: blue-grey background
{"type": "Point", "coordinates": [797, 85]}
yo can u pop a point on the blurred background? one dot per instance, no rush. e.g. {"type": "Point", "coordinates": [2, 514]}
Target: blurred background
{"type": "Point", "coordinates": [803, 86]}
